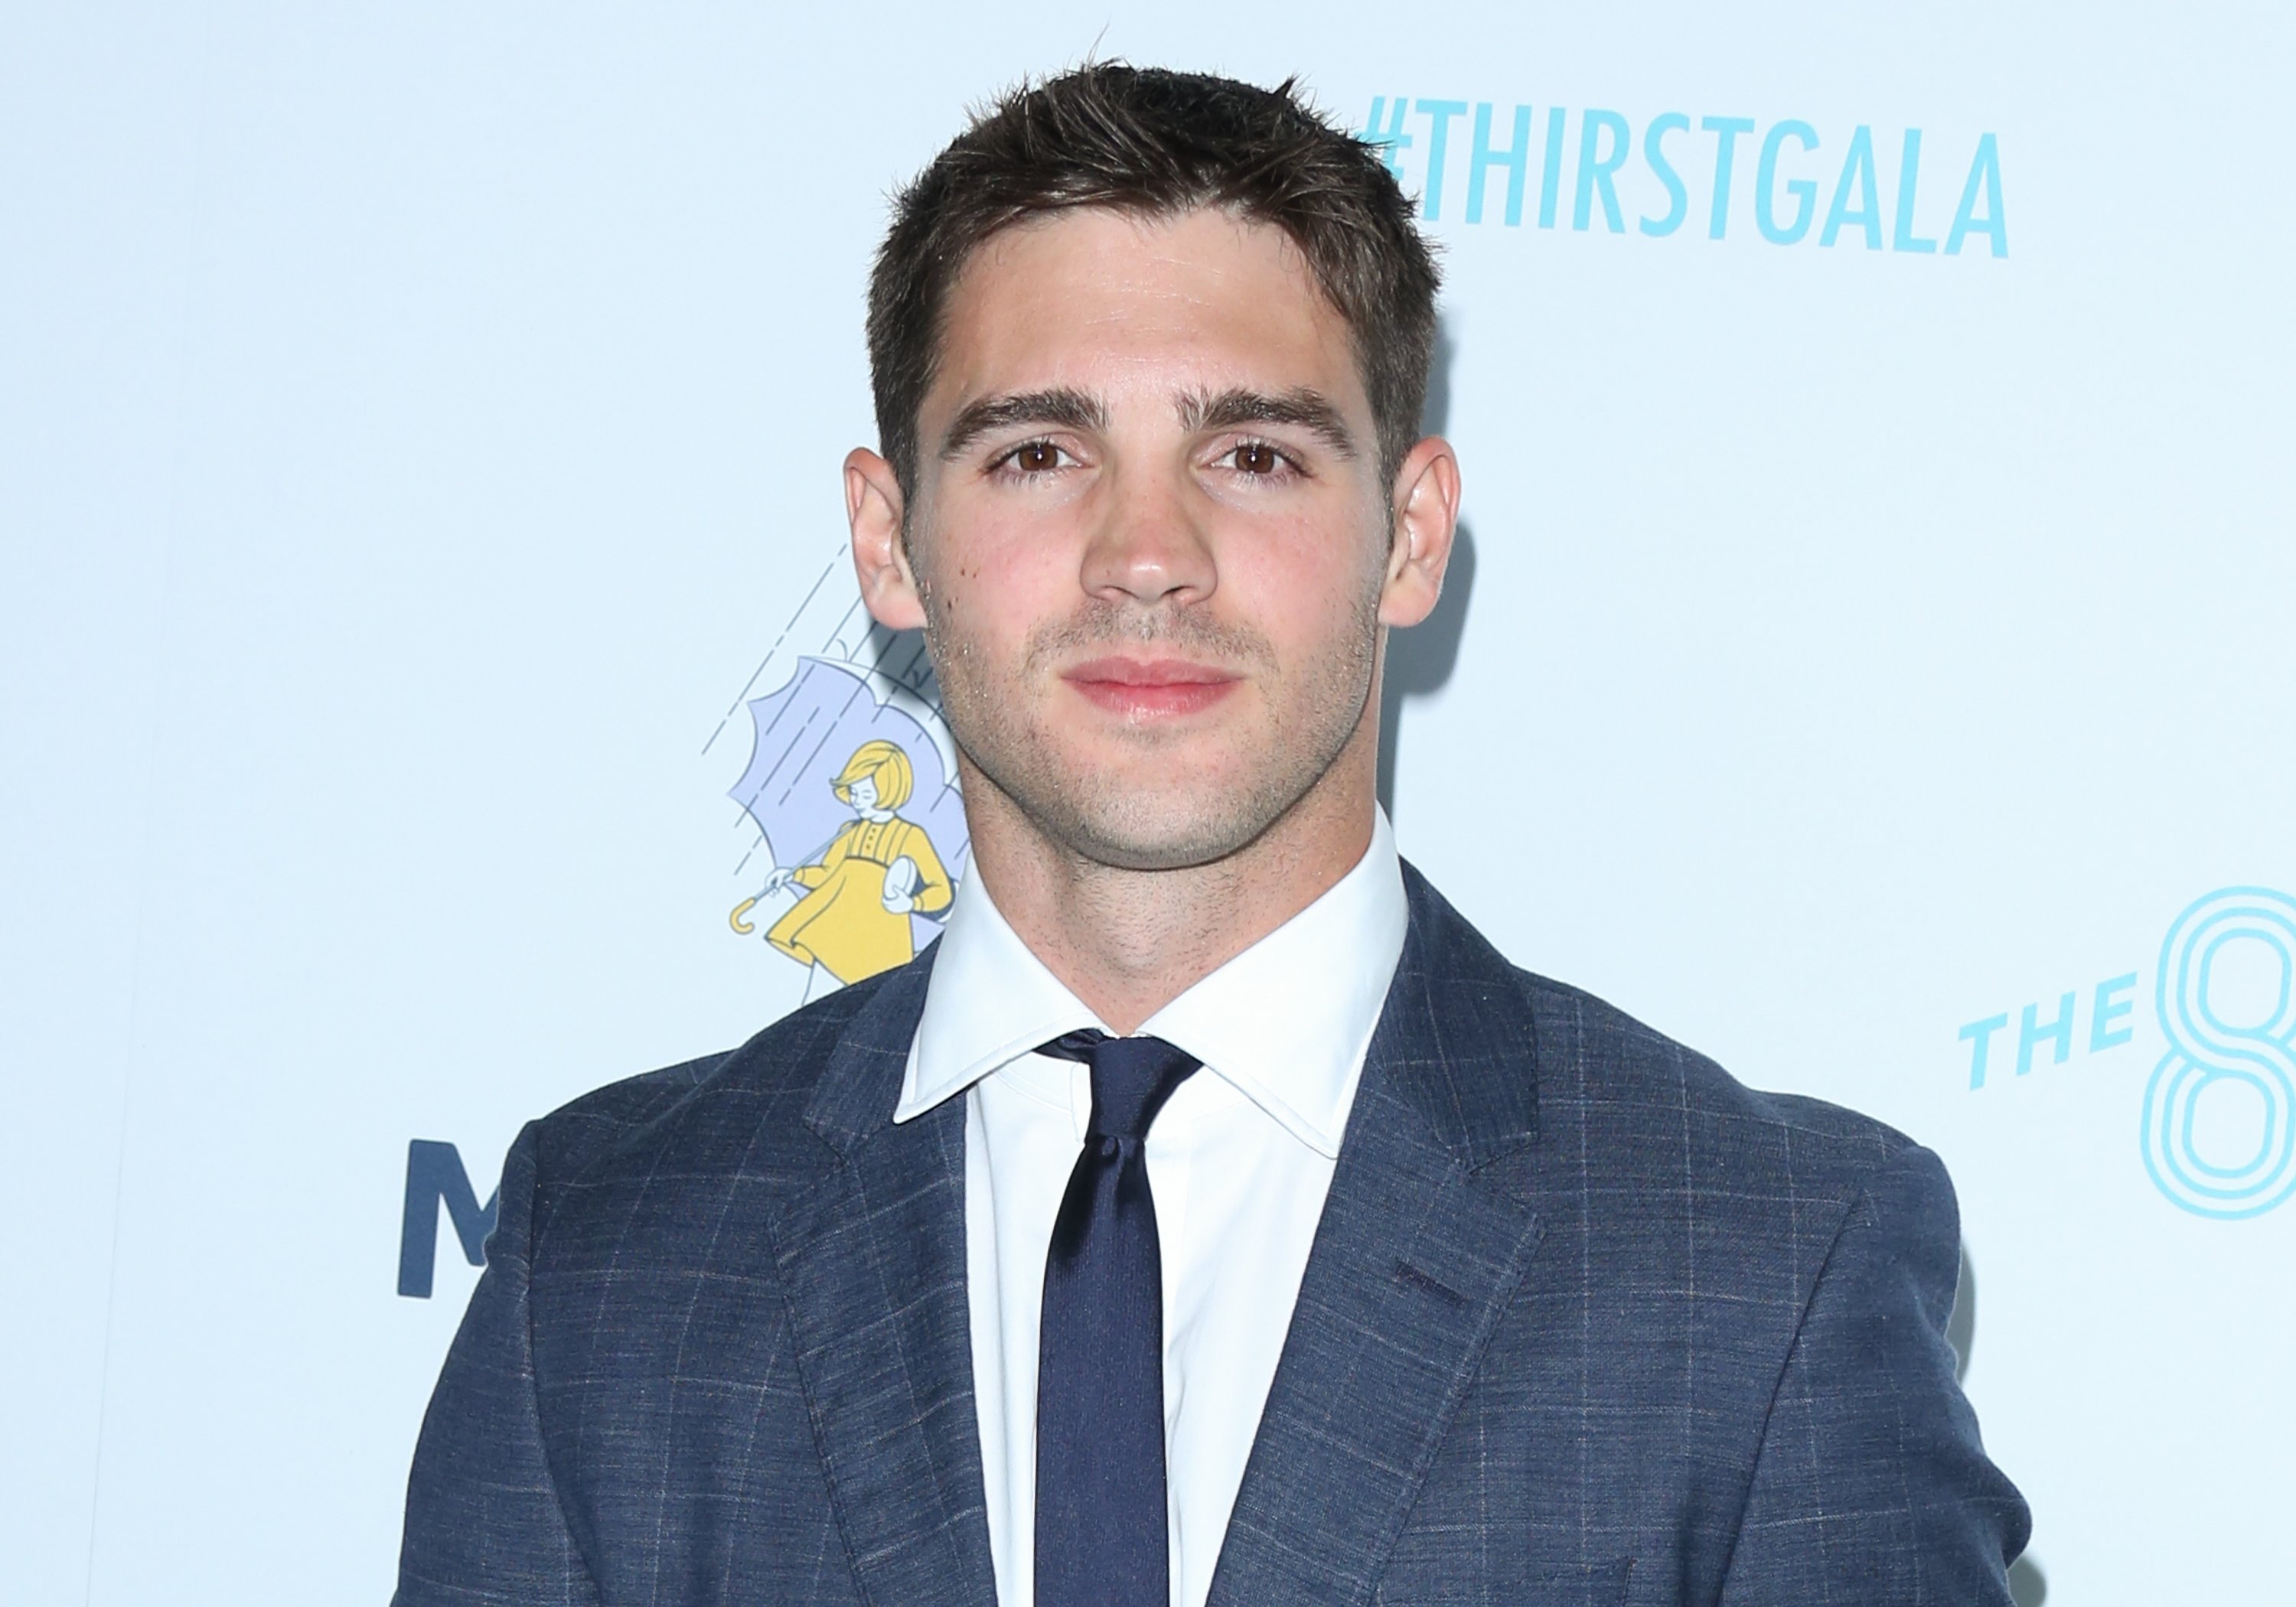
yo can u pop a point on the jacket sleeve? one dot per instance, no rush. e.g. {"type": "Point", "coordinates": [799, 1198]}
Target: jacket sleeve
{"type": "Point", "coordinates": [1871, 1485]}
{"type": "Point", "coordinates": [484, 1523]}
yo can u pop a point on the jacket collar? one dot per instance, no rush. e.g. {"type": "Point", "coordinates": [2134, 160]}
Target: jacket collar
{"type": "Point", "coordinates": [868, 1242]}
{"type": "Point", "coordinates": [1455, 1044]}
{"type": "Point", "coordinates": [1425, 1236]}
{"type": "Point", "coordinates": [854, 1096]}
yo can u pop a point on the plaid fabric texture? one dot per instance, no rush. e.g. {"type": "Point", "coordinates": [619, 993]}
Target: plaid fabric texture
{"type": "Point", "coordinates": [1587, 1322]}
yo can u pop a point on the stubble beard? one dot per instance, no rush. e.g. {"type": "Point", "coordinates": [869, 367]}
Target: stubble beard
{"type": "Point", "coordinates": [1182, 820]}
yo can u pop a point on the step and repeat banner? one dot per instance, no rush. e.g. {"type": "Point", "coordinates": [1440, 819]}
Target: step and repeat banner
{"type": "Point", "coordinates": [436, 686]}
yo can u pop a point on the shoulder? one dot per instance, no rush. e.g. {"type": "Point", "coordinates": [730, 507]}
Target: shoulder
{"type": "Point", "coordinates": [1661, 1121]}
{"type": "Point", "coordinates": [1593, 1053]}
{"type": "Point", "coordinates": [1648, 1147]}
{"type": "Point", "coordinates": [738, 1111]}
{"type": "Point", "coordinates": [1646, 1112]}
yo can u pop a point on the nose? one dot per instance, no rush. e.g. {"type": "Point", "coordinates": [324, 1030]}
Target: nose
{"type": "Point", "coordinates": [1149, 545]}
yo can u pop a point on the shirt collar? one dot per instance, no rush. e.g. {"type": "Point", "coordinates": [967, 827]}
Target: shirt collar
{"type": "Point", "coordinates": [1286, 1021]}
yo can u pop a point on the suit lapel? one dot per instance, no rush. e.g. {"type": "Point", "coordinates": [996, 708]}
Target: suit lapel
{"type": "Point", "coordinates": [872, 1254]}
{"type": "Point", "coordinates": [1420, 1248]}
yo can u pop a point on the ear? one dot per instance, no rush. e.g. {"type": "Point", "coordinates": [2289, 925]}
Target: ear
{"type": "Point", "coordinates": [873, 508]}
{"type": "Point", "coordinates": [1425, 516]}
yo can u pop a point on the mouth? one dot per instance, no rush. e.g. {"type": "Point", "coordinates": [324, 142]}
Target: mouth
{"type": "Point", "coordinates": [1150, 689]}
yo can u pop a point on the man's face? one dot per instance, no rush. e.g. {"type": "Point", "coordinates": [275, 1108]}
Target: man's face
{"type": "Point", "coordinates": [1148, 539]}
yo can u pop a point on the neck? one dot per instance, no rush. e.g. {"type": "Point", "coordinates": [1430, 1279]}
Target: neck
{"type": "Point", "coordinates": [1128, 942]}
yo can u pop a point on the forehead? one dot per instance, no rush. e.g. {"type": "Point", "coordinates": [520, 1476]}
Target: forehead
{"type": "Point", "coordinates": [1111, 301]}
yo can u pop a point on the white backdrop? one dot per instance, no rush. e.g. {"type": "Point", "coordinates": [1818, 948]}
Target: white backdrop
{"type": "Point", "coordinates": [421, 421]}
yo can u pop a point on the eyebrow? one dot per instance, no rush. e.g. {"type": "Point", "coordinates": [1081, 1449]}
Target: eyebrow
{"type": "Point", "coordinates": [1060, 407]}
{"type": "Point", "coordinates": [1064, 408]}
{"type": "Point", "coordinates": [1308, 409]}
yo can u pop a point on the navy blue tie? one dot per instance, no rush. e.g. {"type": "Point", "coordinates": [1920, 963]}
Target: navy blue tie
{"type": "Point", "coordinates": [1102, 1539]}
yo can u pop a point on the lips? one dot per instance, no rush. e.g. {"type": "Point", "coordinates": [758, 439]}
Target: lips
{"type": "Point", "coordinates": [1147, 689]}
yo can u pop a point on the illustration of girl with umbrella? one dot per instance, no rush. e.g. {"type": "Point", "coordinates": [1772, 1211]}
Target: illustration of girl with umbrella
{"type": "Point", "coordinates": [860, 890]}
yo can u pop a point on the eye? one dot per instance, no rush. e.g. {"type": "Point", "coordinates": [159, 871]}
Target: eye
{"type": "Point", "coordinates": [1259, 460]}
{"type": "Point", "coordinates": [1032, 457]}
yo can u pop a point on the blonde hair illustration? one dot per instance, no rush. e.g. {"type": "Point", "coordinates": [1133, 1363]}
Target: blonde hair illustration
{"type": "Point", "coordinates": [882, 763]}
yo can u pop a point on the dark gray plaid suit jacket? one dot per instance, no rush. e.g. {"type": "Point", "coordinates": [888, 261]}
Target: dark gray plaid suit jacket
{"type": "Point", "coordinates": [1585, 1321]}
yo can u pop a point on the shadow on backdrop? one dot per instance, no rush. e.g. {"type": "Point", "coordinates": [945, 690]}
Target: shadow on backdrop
{"type": "Point", "coordinates": [1961, 1327]}
{"type": "Point", "coordinates": [1420, 660]}
{"type": "Point", "coordinates": [2029, 1586]}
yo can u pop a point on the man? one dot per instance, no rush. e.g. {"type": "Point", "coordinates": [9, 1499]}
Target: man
{"type": "Point", "coordinates": [1211, 1215]}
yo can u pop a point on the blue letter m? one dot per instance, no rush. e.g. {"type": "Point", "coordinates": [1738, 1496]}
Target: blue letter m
{"type": "Point", "coordinates": [435, 1177]}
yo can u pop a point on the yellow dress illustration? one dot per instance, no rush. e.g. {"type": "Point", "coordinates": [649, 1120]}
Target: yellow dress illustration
{"type": "Point", "coordinates": [854, 919]}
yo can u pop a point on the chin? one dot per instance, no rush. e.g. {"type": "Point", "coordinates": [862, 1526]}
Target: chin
{"type": "Point", "coordinates": [1126, 851]}
{"type": "Point", "coordinates": [1169, 827]}
{"type": "Point", "coordinates": [1166, 800]}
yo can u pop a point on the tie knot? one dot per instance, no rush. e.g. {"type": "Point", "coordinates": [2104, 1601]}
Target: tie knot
{"type": "Point", "coordinates": [1131, 1078]}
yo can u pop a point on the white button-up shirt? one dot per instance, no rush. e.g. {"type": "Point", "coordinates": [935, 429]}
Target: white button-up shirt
{"type": "Point", "coordinates": [1239, 1160]}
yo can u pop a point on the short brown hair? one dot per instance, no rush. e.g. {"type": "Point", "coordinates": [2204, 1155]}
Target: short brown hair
{"type": "Point", "coordinates": [1155, 142]}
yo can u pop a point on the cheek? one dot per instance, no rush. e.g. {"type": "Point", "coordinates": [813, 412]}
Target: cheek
{"type": "Point", "coordinates": [991, 581]}
{"type": "Point", "coordinates": [1300, 582]}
